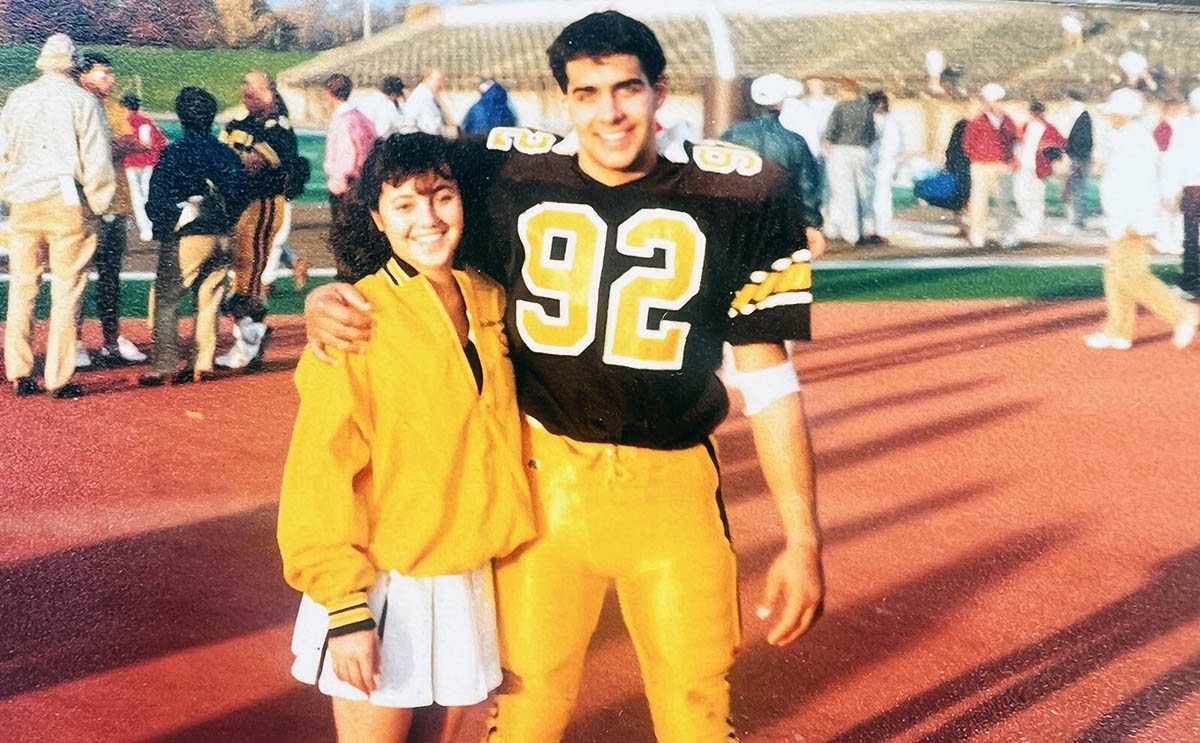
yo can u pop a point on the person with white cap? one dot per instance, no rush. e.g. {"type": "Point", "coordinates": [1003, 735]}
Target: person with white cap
{"type": "Point", "coordinates": [1072, 26]}
{"type": "Point", "coordinates": [935, 65]}
{"type": "Point", "coordinates": [989, 142]}
{"type": "Point", "coordinates": [1130, 198]}
{"type": "Point", "coordinates": [56, 171]}
{"type": "Point", "coordinates": [1181, 187]}
{"type": "Point", "coordinates": [1136, 68]}
{"type": "Point", "coordinates": [770, 138]}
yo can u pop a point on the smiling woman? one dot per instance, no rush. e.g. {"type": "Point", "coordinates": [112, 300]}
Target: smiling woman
{"type": "Point", "coordinates": [378, 524]}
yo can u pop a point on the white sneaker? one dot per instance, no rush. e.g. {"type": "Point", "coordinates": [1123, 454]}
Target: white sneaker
{"type": "Point", "coordinates": [1103, 340]}
{"type": "Point", "coordinates": [248, 331]}
{"type": "Point", "coordinates": [146, 236]}
{"type": "Point", "coordinates": [1185, 331]}
{"type": "Point", "coordinates": [82, 357]}
{"type": "Point", "coordinates": [238, 356]}
{"type": "Point", "coordinates": [128, 351]}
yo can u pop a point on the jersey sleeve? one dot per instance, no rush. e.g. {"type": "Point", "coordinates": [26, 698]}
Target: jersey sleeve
{"type": "Point", "coordinates": [773, 300]}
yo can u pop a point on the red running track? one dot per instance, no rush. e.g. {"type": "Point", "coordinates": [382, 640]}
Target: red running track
{"type": "Point", "coordinates": [1013, 548]}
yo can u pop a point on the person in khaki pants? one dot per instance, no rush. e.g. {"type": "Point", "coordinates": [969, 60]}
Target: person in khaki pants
{"type": "Point", "coordinates": [198, 191]}
{"type": "Point", "coordinates": [55, 149]}
{"type": "Point", "coordinates": [989, 141]}
{"type": "Point", "coordinates": [1131, 202]}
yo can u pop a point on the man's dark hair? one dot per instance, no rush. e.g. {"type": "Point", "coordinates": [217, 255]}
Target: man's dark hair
{"type": "Point", "coordinates": [877, 97]}
{"type": "Point", "coordinates": [196, 108]}
{"type": "Point", "coordinates": [88, 60]}
{"type": "Point", "coordinates": [603, 35]}
{"type": "Point", "coordinates": [1075, 95]}
{"type": "Point", "coordinates": [392, 85]}
{"type": "Point", "coordinates": [131, 102]}
{"type": "Point", "coordinates": [339, 86]}
{"type": "Point", "coordinates": [1037, 108]}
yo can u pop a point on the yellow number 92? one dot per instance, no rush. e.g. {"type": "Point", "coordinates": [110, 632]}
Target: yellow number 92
{"type": "Point", "coordinates": [573, 281]}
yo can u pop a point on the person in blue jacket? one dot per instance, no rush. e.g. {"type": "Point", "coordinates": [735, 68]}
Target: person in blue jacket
{"type": "Point", "coordinates": [491, 110]}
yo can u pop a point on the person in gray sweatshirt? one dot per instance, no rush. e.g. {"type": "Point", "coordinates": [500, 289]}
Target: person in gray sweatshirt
{"type": "Point", "coordinates": [848, 139]}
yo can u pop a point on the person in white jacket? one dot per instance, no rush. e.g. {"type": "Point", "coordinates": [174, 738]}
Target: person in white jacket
{"type": "Point", "coordinates": [1181, 188]}
{"type": "Point", "coordinates": [1131, 200]}
{"type": "Point", "coordinates": [888, 153]}
{"type": "Point", "coordinates": [422, 111]}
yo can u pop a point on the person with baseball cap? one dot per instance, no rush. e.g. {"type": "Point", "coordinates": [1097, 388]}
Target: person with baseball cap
{"type": "Point", "coordinates": [767, 136]}
{"type": "Point", "coordinates": [1131, 203]}
{"type": "Point", "coordinates": [56, 172]}
{"type": "Point", "coordinates": [989, 142]}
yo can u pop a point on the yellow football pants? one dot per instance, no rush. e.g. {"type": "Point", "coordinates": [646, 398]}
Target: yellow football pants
{"type": "Point", "coordinates": [651, 521]}
{"type": "Point", "coordinates": [252, 237]}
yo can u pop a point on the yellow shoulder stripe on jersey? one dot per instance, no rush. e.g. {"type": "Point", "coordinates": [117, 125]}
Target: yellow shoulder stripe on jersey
{"type": "Point", "coordinates": [237, 138]}
{"type": "Point", "coordinates": [788, 282]}
{"type": "Point", "coordinates": [504, 138]}
{"type": "Point", "coordinates": [268, 153]}
{"type": "Point", "coordinates": [722, 157]}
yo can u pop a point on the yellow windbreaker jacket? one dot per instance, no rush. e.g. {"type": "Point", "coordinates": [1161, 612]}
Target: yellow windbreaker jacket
{"type": "Point", "coordinates": [397, 460]}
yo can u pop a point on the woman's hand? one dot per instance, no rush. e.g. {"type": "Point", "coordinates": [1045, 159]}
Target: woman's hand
{"type": "Point", "coordinates": [356, 659]}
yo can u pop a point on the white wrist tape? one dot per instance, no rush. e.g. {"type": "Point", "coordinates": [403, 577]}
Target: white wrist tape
{"type": "Point", "coordinates": [762, 387]}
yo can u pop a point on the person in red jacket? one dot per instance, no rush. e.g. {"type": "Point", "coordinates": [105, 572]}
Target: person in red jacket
{"type": "Point", "coordinates": [1041, 144]}
{"type": "Point", "coordinates": [139, 165]}
{"type": "Point", "coordinates": [989, 142]}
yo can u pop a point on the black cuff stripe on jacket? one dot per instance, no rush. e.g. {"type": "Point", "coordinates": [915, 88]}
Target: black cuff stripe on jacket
{"type": "Point", "coordinates": [366, 624]}
{"type": "Point", "coordinates": [346, 609]}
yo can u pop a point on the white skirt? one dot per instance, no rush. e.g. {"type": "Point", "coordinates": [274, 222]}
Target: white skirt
{"type": "Point", "coordinates": [437, 644]}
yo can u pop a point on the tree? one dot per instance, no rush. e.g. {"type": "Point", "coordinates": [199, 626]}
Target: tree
{"type": "Point", "coordinates": [244, 22]}
{"type": "Point", "coordinates": [36, 20]}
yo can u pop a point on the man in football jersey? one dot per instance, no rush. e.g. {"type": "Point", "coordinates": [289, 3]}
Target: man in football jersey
{"type": "Point", "coordinates": [265, 142]}
{"type": "Point", "coordinates": [625, 273]}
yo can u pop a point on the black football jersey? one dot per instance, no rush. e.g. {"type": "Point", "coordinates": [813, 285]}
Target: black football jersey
{"type": "Point", "coordinates": [620, 297]}
{"type": "Point", "coordinates": [274, 140]}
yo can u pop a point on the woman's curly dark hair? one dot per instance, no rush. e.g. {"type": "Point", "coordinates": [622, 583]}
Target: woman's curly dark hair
{"type": "Point", "coordinates": [392, 160]}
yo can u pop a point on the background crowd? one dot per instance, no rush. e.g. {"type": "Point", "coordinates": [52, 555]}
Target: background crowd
{"type": "Point", "coordinates": [70, 147]}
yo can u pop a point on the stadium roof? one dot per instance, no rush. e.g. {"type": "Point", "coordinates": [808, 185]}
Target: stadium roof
{"type": "Point", "coordinates": [880, 42]}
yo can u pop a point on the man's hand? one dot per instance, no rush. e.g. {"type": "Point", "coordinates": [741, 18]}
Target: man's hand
{"type": "Point", "coordinates": [794, 591]}
{"type": "Point", "coordinates": [356, 659]}
{"type": "Point", "coordinates": [335, 315]}
{"type": "Point", "coordinates": [816, 242]}
{"type": "Point", "coordinates": [254, 162]}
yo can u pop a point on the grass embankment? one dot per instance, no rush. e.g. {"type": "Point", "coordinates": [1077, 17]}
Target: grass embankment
{"type": "Point", "coordinates": [161, 71]}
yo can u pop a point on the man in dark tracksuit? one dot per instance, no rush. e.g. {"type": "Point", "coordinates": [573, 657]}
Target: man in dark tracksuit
{"type": "Point", "coordinates": [197, 193]}
{"type": "Point", "coordinates": [1079, 149]}
{"type": "Point", "coordinates": [771, 139]}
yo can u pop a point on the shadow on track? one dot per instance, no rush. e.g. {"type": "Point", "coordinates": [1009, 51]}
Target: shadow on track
{"type": "Point", "coordinates": [1169, 600]}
